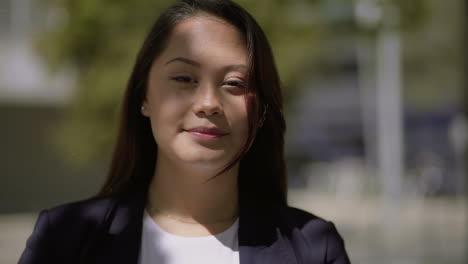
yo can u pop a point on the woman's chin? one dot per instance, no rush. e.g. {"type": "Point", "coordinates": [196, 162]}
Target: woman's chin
{"type": "Point", "coordinates": [197, 156]}
{"type": "Point", "coordinates": [214, 162]}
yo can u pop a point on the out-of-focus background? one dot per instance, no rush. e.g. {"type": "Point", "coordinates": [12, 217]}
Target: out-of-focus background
{"type": "Point", "coordinates": [376, 104]}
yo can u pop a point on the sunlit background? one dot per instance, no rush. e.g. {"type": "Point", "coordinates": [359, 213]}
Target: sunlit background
{"type": "Point", "coordinates": [376, 104]}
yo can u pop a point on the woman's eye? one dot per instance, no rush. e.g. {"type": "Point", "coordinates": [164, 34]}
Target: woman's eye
{"type": "Point", "coordinates": [235, 83]}
{"type": "Point", "coordinates": [183, 79]}
{"type": "Point", "coordinates": [236, 87]}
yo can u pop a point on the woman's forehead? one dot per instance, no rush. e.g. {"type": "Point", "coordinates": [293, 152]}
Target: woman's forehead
{"type": "Point", "coordinates": [205, 36]}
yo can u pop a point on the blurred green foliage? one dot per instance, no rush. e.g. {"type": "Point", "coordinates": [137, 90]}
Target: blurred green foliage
{"type": "Point", "coordinates": [100, 40]}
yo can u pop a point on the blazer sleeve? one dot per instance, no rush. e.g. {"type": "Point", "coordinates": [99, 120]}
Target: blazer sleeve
{"type": "Point", "coordinates": [38, 244]}
{"type": "Point", "coordinates": [336, 252]}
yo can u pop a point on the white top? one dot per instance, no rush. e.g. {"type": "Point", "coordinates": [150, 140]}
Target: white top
{"type": "Point", "coordinates": [159, 246]}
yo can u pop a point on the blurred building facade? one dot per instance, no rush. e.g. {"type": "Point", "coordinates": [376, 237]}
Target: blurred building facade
{"type": "Point", "coordinates": [32, 105]}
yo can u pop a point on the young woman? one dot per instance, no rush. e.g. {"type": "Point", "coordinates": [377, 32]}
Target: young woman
{"type": "Point", "coordinates": [198, 172]}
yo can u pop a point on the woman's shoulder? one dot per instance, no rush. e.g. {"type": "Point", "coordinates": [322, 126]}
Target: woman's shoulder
{"type": "Point", "coordinates": [75, 219]}
{"type": "Point", "coordinates": [291, 219]}
{"type": "Point", "coordinates": [62, 228]}
{"type": "Point", "coordinates": [306, 222]}
{"type": "Point", "coordinates": [314, 232]}
{"type": "Point", "coordinates": [91, 209]}
{"type": "Point", "coordinates": [302, 219]}
{"type": "Point", "coordinates": [301, 215]}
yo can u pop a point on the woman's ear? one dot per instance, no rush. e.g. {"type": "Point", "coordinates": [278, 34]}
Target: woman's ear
{"type": "Point", "coordinates": [144, 109]}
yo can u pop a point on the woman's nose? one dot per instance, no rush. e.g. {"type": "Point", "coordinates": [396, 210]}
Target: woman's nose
{"type": "Point", "coordinates": [207, 102]}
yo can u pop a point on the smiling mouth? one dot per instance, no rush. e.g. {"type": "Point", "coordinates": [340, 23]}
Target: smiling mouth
{"type": "Point", "coordinates": [207, 133]}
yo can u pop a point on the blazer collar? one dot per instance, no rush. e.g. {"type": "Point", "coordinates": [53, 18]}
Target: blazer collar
{"type": "Point", "coordinates": [122, 236]}
{"type": "Point", "coordinates": [260, 236]}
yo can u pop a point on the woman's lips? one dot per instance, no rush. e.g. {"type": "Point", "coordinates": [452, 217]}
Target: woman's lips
{"type": "Point", "coordinates": [206, 133]}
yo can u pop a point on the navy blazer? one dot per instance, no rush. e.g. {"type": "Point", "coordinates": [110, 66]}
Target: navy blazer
{"type": "Point", "coordinates": [108, 230]}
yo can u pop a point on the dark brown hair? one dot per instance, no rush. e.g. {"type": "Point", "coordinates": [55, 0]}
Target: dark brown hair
{"type": "Point", "coordinates": [262, 173]}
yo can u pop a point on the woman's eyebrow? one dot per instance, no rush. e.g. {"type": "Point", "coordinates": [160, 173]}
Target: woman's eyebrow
{"type": "Point", "coordinates": [184, 60]}
{"type": "Point", "coordinates": [235, 67]}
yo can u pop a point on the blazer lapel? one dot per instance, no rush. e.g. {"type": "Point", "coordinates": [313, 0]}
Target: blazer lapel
{"type": "Point", "coordinates": [123, 237]}
{"type": "Point", "coordinates": [260, 238]}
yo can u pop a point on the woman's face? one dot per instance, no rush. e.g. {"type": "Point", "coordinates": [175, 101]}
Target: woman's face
{"type": "Point", "coordinates": [195, 94]}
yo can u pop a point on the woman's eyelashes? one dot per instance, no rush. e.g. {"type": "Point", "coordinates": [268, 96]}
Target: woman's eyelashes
{"type": "Point", "coordinates": [235, 83]}
{"type": "Point", "coordinates": [184, 79]}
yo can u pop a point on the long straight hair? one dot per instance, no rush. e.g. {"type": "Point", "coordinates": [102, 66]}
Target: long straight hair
{"type": "Point", "coordinates": [262, 172]}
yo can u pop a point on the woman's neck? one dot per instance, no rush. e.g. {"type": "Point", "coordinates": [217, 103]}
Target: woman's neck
{"type": "Point", "coordinates": [191, 201]}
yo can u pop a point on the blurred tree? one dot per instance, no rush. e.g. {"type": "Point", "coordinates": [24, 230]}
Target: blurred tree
{"type": "Point", "coordinates": [100, 40]}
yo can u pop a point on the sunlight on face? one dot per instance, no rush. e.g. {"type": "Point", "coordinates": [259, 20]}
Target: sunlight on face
{"type": "Point", "coordinates": [195, 94]}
